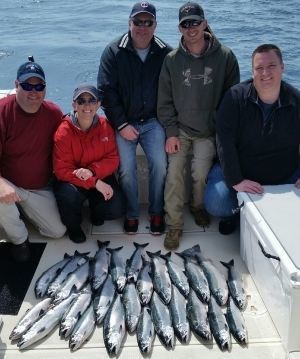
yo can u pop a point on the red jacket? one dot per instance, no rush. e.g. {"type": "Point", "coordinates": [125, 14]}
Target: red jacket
{"type": "Point", "coordinates": [94, 149]}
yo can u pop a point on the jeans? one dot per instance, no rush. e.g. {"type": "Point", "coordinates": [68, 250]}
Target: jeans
{"type": "Point", "coordinates": [70, 201]}
{"type": "Point", "coordinates": [152, 140]}
{"type": "Point", "coordinates": [220, 200]}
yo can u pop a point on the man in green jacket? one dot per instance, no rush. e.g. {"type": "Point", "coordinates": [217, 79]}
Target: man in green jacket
{"type": "Point", "coordinates": [192, 82]}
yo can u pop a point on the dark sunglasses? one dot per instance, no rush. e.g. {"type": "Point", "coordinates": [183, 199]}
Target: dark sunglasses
{"type": "Point", "coordinates": [145, 23]}
{"type": "Point", "coordinates": [190, 23]}
{"type": "Point", "coordinates": [29, 87]}
{"type": "Point", "coordinates": [82, 101]}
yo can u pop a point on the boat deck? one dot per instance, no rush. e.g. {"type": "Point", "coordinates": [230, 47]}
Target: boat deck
{"type": "Point", "coordinates": [264, 341]}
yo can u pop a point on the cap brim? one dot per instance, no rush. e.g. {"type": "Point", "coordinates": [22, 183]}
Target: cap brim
{"type": "Point", "coordinates": [29, 75]}
{"type": "Point", "coordinates": [142, 12]}
{"type": "Point", "coordinates": [85, 91]}
{"type": "Point", "coordinates": [192, 17]}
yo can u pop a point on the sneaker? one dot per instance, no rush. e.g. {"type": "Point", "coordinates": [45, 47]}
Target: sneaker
{"type": "Point", "coordinates": [227, 226]}
{"type": "Point", "coordinates": [157, 224]}
{"type": "Point", "coordinates": [172, 239]}
{"type": "Point", "coordinates": [131, 226]}
{"type": "Point", "coordinates": [77, 235]}
{"type": "Point", "coordinates": [21, 252]}
{"type": "Point", "coordinates": [201, 217]}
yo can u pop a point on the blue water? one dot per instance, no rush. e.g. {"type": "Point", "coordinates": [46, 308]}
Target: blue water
{"type": "Point", "coordinates": [67, 37]}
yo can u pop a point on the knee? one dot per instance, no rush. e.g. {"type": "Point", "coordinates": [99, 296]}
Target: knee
{"type": "Point", "coordinates": [57, 231]}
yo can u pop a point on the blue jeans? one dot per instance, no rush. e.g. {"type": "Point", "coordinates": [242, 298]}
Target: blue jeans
{"type": "Point", "coordinates": [152, 140]}
{"type": "Point", "coordinates": [220, 200]}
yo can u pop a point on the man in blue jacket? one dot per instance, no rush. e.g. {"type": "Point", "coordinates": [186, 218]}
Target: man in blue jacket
{"type": "Point", "coordinates": [128, 79]}
{"type": "Point", "coordinates": [258, 137]}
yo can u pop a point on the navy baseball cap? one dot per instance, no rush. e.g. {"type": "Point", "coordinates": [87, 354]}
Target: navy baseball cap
{"type": "Point", "coordinates": [30, 69]}
{"type": "Point", "coordinates": [191, 11]}
{"type": "Point", "coordinates": [82, 88]}
{"type": "Point", "coordinates": [143, 6]}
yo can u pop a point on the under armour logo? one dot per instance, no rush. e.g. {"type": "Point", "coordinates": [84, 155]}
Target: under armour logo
{"type": "Point", "coordinates": [144, 4]}
{"type": "Point", "coordinates": [206, 78]}
{"type": "Point", "coordinates": [187, 9]}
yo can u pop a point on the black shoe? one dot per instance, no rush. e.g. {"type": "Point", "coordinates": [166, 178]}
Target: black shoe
{"type": "Point", "coordinates": [227, 226]}
{"type": "Point", "coordinates": [21, 252]}
{"type": "Point", "coordinates": [97, 221]}
{"type": "Point", "coordinates": [77, 236]}
{"type": "Point", "coordinates": [131, 226]}
{"type": "Point", "coordinates": [157, 224]}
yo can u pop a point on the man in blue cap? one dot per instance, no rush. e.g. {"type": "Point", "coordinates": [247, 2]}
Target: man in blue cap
{"type": "Point", "coordinates": [128, 79]}
{"type": "Point", "coordinates": [27, 126]}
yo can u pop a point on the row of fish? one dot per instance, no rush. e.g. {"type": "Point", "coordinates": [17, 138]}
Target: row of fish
{"type": "Point", "coordinates": [141, 296]}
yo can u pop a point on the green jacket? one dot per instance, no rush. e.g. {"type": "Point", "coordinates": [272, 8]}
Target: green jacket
{"type": "Point", "coordinates": [191, 88]}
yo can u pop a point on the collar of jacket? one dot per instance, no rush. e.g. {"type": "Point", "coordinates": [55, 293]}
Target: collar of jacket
{"type": "Point", "coordinates": [285, 95]}
{"type": "Point", "coordinates": [126, 43]}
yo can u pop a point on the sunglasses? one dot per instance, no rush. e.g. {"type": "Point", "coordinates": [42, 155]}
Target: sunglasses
{"type": "Point", "coordinates": [140, 23]}
{"type": "Point", "coordinates": [82, 101]}
{"type": "Point", "coordinates": [29, 87]}
{"type": "Point", "coordinates": [190, 23]}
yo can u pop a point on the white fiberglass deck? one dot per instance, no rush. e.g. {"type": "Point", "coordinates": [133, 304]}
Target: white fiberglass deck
{"type": "Point", "coordinates": [264, 341]}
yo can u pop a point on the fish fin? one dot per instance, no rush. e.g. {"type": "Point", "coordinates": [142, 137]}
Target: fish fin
{"type": "Point", "coordinates": [166, 256]}
{"type": "Point", "coordinates": [138, 245]}
{"type": "Point", "coordinates": [229, 264]}
{"type": "Point", "coordinates": [66, 255]}
{"type": "Point", "coordinates": [153, 254]}
{"type": "Point", "coordinates": [103, 244]}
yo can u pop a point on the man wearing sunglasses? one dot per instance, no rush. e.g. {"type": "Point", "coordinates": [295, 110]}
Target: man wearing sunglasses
{"type": "Point", "coordinates": [27, 126]}
{"type": "Point", "coordinates": [128, 79]}
{"type": "Point", "coordinates": [192, 82]}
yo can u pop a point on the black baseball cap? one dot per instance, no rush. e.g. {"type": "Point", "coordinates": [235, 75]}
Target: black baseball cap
{"type": "Point", "coordinates": [82, 88]}
{"type": "Point", "coordinates": [191, 11]}
{"type": "Point", "coordinates": [143, 6]}
{"type": "Point", "coordinates": [30, 69]}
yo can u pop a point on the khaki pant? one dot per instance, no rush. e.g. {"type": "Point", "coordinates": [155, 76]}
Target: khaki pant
{"type": "Point", "coordinates": [203, 152]}
{"type": "Point", "coordinates": [39, 206]}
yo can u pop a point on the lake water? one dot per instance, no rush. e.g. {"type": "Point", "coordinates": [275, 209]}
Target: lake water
{"type": "Point", "coordinates": [67, 37]}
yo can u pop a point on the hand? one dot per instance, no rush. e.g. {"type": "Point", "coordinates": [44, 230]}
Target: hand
{"type": "Point", "coordinates": [249, 186]}
{"type": "Point", "coordinates": [129, 133]}
{"type": "Point", "coordinates": [8, 194]}
{"type": "Point", "coordinates": [105, 189]}
{"type": "Point", "coordinates": [83, 173]}
{"type": "Point", "coordinates": [173, 145]}
{"type": "Point", "coordinates": [297, 183]}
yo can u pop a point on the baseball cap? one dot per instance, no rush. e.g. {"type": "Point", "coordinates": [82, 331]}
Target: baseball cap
{"type": "Point", "coordinates": [143, 6]}
{"type": "Point", "coordinates": [82, 88]}
{"type": "Point", "coordinates": [30, 69]}
{"type": "Point", "coordinates": [191, 11]}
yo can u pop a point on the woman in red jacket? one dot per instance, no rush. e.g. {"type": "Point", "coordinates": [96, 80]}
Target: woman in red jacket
{"type": "Point", "coordinates": [85, 159]}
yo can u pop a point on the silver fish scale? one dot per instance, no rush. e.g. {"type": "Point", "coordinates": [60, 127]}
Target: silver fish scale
{"type": "Point", "coordinates": [179, 315]}
{"type": "Point", "coordinates": [144, 285]}
{"type": "Point", "coordinates": [178, 278]}
{"type": "Point", "coordinates": [69, 268]}
{"type": "Point", "coordinates": [161, 280]}
{"type": "Point", "coordinates": [162, 321]}
{"type": "Point", "coordinates": [114, 326]}
{"type": "Point", "coordinates": [117, 269]}
{"type": "Point", "coordinates": [218, 325]}
{"type": "Point", "coordinates": [197, 315]}
{"type": "Point", "coordinates": [103, 299]}
{"type": "Point", "coordinates": [75, 312]}
{"type": "Point", "coordinates": [132, 307]}
{"type": "Point", "coordinates": [43, 282]}
{"type": "Point", "coordinates": [83, 329]}
{"type": "Point", "coordinates": [145, 332]}
{"type": "Point", "coordinates": [45, 324]}
{"type": "Point", "coordinates": [236, 322]}
{"type": "Point", "coordinates": [29, 318]}
{"type": "Point", "coordinates": [197, 280]}
{"type": "Point", "coordinates": [135, 263]}
{"type": "Point", "coordinates": [75, 281]}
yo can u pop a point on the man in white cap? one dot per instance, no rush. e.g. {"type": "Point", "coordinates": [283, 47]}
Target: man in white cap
{"type": "Point", "coordinates": [128, 79]}
{"type": "Point", "coordinates": [27, 126]}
